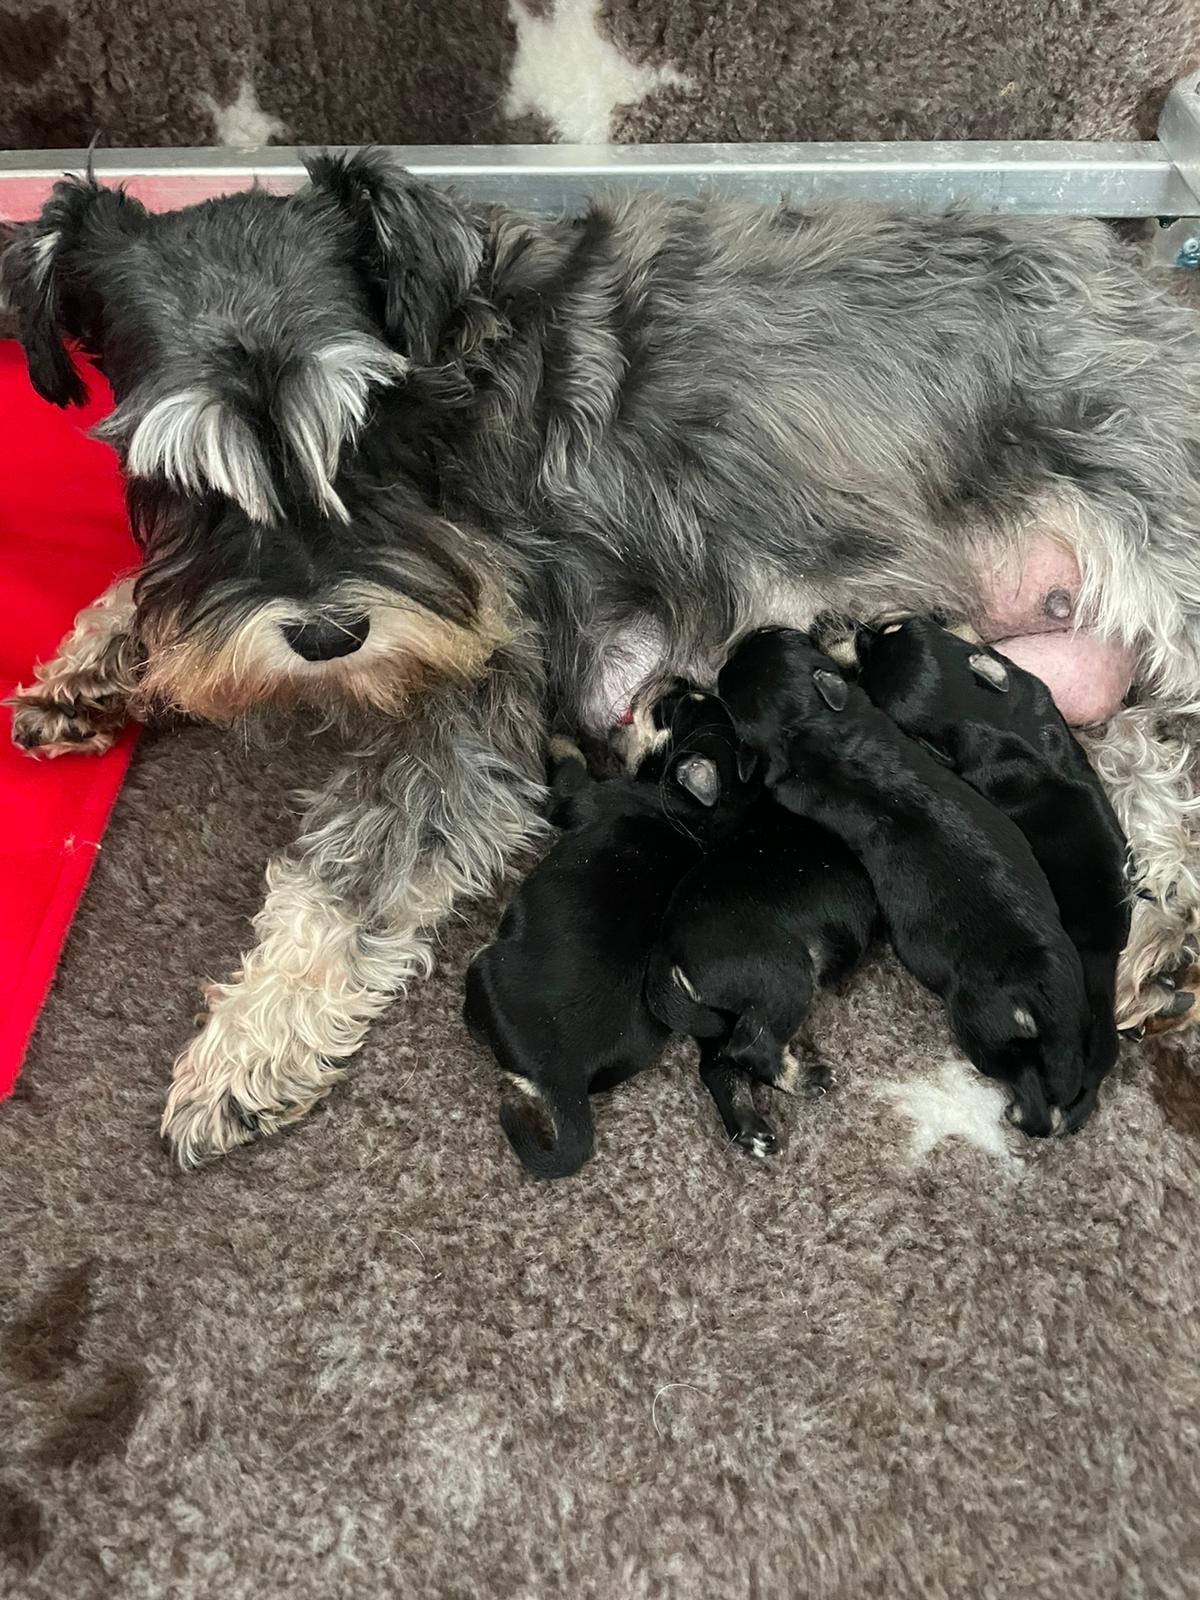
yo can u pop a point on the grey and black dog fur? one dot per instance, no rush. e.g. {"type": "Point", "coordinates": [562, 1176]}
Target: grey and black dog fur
{"type": "Point", "coordinates": [518, 466]}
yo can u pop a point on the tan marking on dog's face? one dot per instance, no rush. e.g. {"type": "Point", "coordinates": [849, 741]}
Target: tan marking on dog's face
{"type": "Point", "coordinates": [407, 651]}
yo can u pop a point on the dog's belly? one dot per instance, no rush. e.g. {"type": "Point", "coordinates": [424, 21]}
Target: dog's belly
{"type": "Point", "coordinates": [641, 652]}
{"type": "Point", "coordinates": [1029, 616]}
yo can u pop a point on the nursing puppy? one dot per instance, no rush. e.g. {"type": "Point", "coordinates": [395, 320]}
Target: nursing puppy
{"type": "Point", "coordinates": [559, 997]}
{"type": "Point", "coordinates": [1000, 729]}
{"type": "Point", "coordinates": [757, 925]}
{"type": "Point", "coordinates": [967, 907]}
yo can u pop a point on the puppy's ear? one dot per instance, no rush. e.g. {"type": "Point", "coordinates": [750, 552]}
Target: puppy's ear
{"type": "Point", "coordinates": [832, 688]}
{"type": "Point", "coordinates": [990, 671]}
{"type": "Point", "coordinates": [38, 276]}
{"type": "Point", "coordinates": [420, 249]}
{"type": "Point", "coordinates": [699, 776]}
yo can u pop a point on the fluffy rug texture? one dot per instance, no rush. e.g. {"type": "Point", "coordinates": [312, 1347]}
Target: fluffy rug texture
{"type": "Point", "coordinates": [476, 71]}
{"type": "Point", "coordinates": [914, 1355]}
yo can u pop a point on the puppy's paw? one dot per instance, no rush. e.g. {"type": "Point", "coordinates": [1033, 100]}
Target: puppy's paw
{"type": "Point", "coordinates": [756, 1137]}
{"type": "Point", "coordinates": [1037, 1122]}
{"type": "Point", "coordinates": [801, 1075]}
{"type": "Point", "coordinates": [816, 1080]}
{"type": "Point", "coordinates": [49, 726]}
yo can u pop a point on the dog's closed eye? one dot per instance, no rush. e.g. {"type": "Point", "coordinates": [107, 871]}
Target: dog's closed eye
{"type": "Point", "coordinates": [989, 671]}
{"type": "Point", "coordinates": [832, 688]}
{"type": "Point", "coordinates": [699, 776]}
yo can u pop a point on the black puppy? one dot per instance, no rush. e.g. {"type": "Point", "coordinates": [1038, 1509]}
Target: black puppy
{"type": "Point", "coordinates": [766, 916]}
{"type": "Point", "coordinates": [559, 997]}
{"type": "Point", "coordinates": [967, 907]}
{"type": "Point", "coordinates": [1001, 731]}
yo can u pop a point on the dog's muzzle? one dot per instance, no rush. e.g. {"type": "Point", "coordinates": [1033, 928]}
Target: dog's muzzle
{"type": "Point", "coordinates": [324, 640]}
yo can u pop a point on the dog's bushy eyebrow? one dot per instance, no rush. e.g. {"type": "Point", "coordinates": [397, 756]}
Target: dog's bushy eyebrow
{"type": "Point", "coordinates": [201, 436]}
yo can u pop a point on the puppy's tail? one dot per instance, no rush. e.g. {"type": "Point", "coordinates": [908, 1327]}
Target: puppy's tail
{"type": "Point", "coordinates": [674, 1001]}
{"type": "Point", "coordinates": [570, 1112]}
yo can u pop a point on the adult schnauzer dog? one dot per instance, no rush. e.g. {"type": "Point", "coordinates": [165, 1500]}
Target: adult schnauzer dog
{"type": "Point", "coordinates": [966, 906]}
{"type": "Point", "coordinates": [445, 466]}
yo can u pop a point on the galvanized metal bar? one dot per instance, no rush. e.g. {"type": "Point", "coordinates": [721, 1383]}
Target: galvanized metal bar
{"type": "Point", "coordinates": [1179, 132]}
{"type": "Point", "coordinates": [1034, 178]}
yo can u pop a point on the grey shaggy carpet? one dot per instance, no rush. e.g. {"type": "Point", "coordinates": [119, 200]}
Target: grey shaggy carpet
{"type": "Point", "coordinates": [580, 71]}
{"type": "Point", "coordinates": [913, 1356]}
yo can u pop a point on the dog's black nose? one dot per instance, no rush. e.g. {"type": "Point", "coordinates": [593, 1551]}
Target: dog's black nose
{"type": "Point", "coordinates": [324, 640]}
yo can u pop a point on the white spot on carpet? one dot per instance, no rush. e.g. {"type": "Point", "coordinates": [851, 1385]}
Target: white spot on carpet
{"type": "Point", "coordinates": [243, 124]}
{"type": "Point", "coordinates": [566, 72]}
{"type": "Point", "coordinates": [955, 1103]}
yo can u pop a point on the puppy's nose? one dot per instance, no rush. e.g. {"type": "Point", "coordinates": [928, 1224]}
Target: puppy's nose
{"type": "Point", "coordinates": [324, 640]}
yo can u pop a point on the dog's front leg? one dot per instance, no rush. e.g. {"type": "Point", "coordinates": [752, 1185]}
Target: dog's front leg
{"type": "Point", "coordinates": [80, 701]}
{"type": "Point", "coordinates": [1146, 760]}
{"type": "Point", "coordinates": [386, 852]}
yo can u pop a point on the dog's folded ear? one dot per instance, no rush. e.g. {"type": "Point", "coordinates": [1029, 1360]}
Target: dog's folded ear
{"type": "Point", "coordinates": [832, 688]}
{"type": "Point", "coordinates": [419, 248]}
{"type": "Point", "coordinates": [989, 670]}
{"type": "Point", "coordinates": [45, 284]}
{"type": "Point", "coordinates": [700, 777]}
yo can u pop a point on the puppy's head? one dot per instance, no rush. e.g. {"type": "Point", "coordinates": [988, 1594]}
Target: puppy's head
{"type": "Point", "coordinates": [259, 346]}
{"type": "Point", "coordinates": [777, 681]}
{"type": "Point", "coordinates": [707, 775]}
{"type": "Point", "coordinates": [948, 657]}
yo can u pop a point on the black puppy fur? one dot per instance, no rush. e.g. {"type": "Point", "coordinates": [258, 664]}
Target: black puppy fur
{"type": "Point", "coordinates": [769, 914]}
{"type": "Point", "coordinates": [999, 727]}
{"type": "Point", "coordinates": [967, 907]}
{"type": "Point", "coordinates": [559, 997]}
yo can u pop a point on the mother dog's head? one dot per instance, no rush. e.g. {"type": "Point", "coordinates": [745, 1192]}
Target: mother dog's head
{"type": "Point", "coordinates": [266, 354]}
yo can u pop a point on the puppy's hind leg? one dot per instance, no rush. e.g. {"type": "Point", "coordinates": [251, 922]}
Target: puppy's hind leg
{"type": "Point", "coordinates": [730, 1090]}
{"type": "Point", "coordinates": [573, 1137]}
{"type": "Point", "coordinates": [396, 841]}
{"type": "Point", "coordinates": [81, 699]}
{"type": "Point", "coordinates": [673, 999]}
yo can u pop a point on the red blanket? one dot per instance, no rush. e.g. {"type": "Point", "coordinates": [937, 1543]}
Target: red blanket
{"type": "Point", "coordinates": [63, 536]}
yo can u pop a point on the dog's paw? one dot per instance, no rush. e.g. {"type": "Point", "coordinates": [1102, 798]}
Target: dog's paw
{"type": "Point", "coordinates": [218, 1102]}
{"type": "Point", "coordinates": [816, 1080]}
{"type": "Point", "coordinates": [757, 1137]}
{"type": "Point", "coordinates": [800, 1075]}
{"type": "Point", "coordinates": [43, 725]}
{"type": "Point", "coordinates": [1037, 1122]}
{"type": "Point", "coordinates": [1178, 990]}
